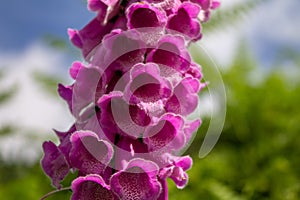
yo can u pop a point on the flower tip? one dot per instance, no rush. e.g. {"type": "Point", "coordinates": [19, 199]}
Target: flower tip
{"type": "Point", "coordinates": [215, 4]}
{"type": "Point", "coordinates": [75, 38]}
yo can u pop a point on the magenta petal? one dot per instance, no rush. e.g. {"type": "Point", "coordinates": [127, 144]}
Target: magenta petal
{"type": "Point", "coordinates": [142, 15]}
{"type": "Point", "coordinates": [118, 116]}
{"type": "Point", "coordinates": [146, 84]}
{"type": "Point", "coordinates": [54, 163]}
{"type": "Point", "coordinates": [65, 144]}
{"type": "Point", "coordinates": [91, 187]}
{"type": "Point", "coordinates": [137, 181]}
{"type": "Point", "coordinates": [185, 99]}
{"type": "Point", "coordinates": [127, 149]}
{"type": "Point", "coordinates": [90, 36]}
{"type": "Point", "coordinates": [66, 93]}
{"type": "Point", "coordinates": [184, 162]}
{"type": "Point", "coordinates": [171, 53]}
{"type": "Point", "coordinates": [194, 71]}
{"type": "Point", "coordinates": [204, 4]}
{"type": "Point", "coordinates": [167, 134]}
{"type": "Point", "coordinates": [116, 56]}
{"type": "Point", "coordinates": [164, 193]}
{"type": "Point", "coordinates": [179, 175]}
{"type": "Point", "coordinates": [110, 2]}
{"type": "Point", "coordinates": [75, 38]}
{"type": "Point", "coordinates": [88, 87]}
{"type": "Point", "coordinates": [89, 154]}
{"type": "Point", "coordinates": [185, 21]}
{"type": "Point", "coordinates": [106, 119]}
{"type": "Point", "coordinates": [170, 6]}
{"type": "Point", "coordinates": [96, 5]}
{"type": "Point", "coordinates": [190, 128]}
{"type": "Point", "coordinates": [176, 170]}
{"type": "Point", "coordinates": [75, 68]}
{"type": "Point", "coordinates": [215, 4]}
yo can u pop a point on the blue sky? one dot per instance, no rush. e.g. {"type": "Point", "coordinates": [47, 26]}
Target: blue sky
{"type": "Point", "coordinates": [23, 22]}
{"type": "Point", "coordinates": [272, 26]}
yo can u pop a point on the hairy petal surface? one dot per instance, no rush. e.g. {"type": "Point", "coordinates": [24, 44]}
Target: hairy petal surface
{"type": "Point", "coordinates": [91, 187]}
{"type": "Point", "coordinates": [138, 181]}
{"type": "Point", "coordinates": [54, 163]}
{"type": "Point", "coordinates": [89, 154]}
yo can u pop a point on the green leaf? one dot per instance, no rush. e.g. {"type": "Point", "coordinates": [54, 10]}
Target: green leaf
{"type": "Point", "coordinates": [7, 94]}
{"type": "Point", "coordinates": [48, 82]}
{"type": "Point", "coordinates": [228, 17]}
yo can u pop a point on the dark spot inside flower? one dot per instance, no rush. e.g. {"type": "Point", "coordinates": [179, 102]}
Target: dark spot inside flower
{"type": "Point", "coordinates": [118, 73]}
{"type": "Point", "coordinates": [148, 16]}
{"type": "Point", "coordinates": [181, 22]}
{"type": "Point", "coordinates": [162, 134]}
{"type": "Point", "coordinates": [93, 190]}
{"type": "Point", "coordinates": [124, 3]}
{"type": "Point", "coordinates": [138, 116]}
{"type": "Point", "coordinates": [114, 80]}
{"type": "Point", "coordinates": [97, 109]}
{"type": "Point", "coordinates": [117, 139]}
{"type": "Point", "coordinates": [146, 87]}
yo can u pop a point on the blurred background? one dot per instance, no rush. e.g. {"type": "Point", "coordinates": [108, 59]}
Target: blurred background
{"type": "Point", "coordinates": [256, 46]}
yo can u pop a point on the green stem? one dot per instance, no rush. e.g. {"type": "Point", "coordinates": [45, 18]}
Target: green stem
{"type": "Point", "coordinates": [53, 192]}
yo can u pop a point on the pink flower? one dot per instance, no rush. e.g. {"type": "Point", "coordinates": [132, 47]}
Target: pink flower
{"type": "Point", "coordinates": [130, 100]}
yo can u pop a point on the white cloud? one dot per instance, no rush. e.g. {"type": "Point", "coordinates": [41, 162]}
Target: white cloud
{"type": "Point", "coordinates": [31, 108]}
{"type": "Point", "coordinates": [271, 25]}
{"type": "Point", "coordinates": [278, 21]}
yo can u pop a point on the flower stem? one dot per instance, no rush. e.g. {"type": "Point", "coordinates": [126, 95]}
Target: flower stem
{"type": "Point", "coordinates": [53, 192]}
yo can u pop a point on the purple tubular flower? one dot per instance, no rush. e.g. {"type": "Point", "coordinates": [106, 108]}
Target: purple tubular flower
{"type": "Point", "coordinates": [131, 101]}
{"type": "Point", "coordinates": [90, 36]}
{"type": "Point", "coordinates": [146, 84]}
{"type": "Point", "coordinates": [91, 187]}
{"type": "Point", "coordinates": [185, 21]}
{"type": "Point", "coordinates": [177, 170]}
{"type": "Point", "coordinates": [206, 7]}
{"type": "Point", "coordinates": [54, 163]}
{"type": "Point", "coordinates": [170, 53]}
{"type": "Point", "coordinates": [164, 192]}
{"type": "Point", "coordinates": [152, 16]}
{"type": "Point", "coordinates": [89, 86]}
{"type": "Point", "coordinates": [194, 71]}
{"type": "Point", "coordinates": [166, 134]}
{"type": "Point", "coordinates": [65, 92]}
{"type": "Point", "coordinates": [117, 55]}
{"type": "Point", "coordinates": [190, 128]}
{"type": "Point", "coordinates": [130, 123]}
{"type": "Point", "coordinates": [96, 5]}
{"type": "Point", "coordinates": [65, 144]}
{"type": "Point", "coordinates": [170, 6]}
{"type": "Point", "coordinates": [138, 181]}
{"type": "Point", "coordinates": [75, 69]}
{"type": "Point", "coordinates": [185, 99]}
{"type": "Point", "coordinates": [207, 4]}
{"type": "Point", "coordinates": [89, 154]}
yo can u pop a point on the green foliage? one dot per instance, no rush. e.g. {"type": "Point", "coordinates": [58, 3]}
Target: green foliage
{"type": "Point", "coordinates": [257, 156]}
{"type": "Point", "coordinates": [6, 94]}
{"type": "Point", "coordinates": [7, 129]}
{"type": "Point", "coordinates": [48, 82]}
{"type": "Point", "coordinates": [55, 42]}
{"type": "Point", "coordinates": [22, 182]}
